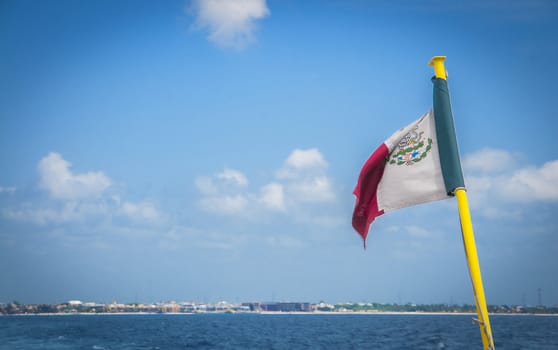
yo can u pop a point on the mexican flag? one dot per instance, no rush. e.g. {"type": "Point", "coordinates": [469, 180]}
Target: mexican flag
{"type": "Point", "coordinates": [417, 164]}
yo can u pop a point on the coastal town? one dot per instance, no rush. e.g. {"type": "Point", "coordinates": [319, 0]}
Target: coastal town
{"type": "Point", "coordinates": [173, 307]}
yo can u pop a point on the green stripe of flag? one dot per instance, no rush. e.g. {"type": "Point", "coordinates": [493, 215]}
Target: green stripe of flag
{"type": "Point", "coordinates": [447, 142]}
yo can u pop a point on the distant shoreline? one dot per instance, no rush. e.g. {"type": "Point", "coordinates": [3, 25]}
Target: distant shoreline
{"type": "Point", "coordinates": [370, 313]}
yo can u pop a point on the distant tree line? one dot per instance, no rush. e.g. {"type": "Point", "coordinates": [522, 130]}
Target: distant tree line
{"type": "Point", "coordinates": [465, 308]}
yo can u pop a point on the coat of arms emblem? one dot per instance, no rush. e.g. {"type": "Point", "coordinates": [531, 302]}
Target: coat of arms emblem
{"type": "Point", "coordinates": [411, 149]}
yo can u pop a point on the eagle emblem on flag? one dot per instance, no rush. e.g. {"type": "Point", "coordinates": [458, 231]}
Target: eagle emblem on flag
{"type": "Point", "coordinates": [411, 149]}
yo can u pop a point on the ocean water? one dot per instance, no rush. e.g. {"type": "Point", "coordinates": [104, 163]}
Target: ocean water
{"type": "Point", "coordinates": [255, 331]}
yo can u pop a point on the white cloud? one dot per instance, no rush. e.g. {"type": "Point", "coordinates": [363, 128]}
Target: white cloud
{"type": "Point", "coordinates": [212, 186]}
{"type": "Point", "coordinates": [79, 198]}
{"type": "Point", "coordinates": [315, 189]}
{"type": "Point", "coordinates": [7, 189]}
{"type": "Point", "coordinates": [58, 180]}
{"type": "Point", "coordinates": [302, 161]}
{"type": "Point", "coordinates": [273, 196]}
{"type": "Point", "coordinates": [72, 211]}
{"type": "Point", "coordinates": [88, 212]}
{"type": "Point", "coordinates": [532, 184]}
{"type": "Point", "coordinates": [225, 204]}
{"type": "Point", "coordinates": [233, 176]}
{"type": "Point", "coordinates": [305, 174]}
{"type": "Point", "coordinates": [494, 179]}
{"type": "Point", "coordinates": [205, 185]}
{"type": "Point", "coordinates": [300, 182]}
{"type": "Point", "coordinates": [142, 211]}
{"type": "Point", "coordinates": [231, 23]}
{"type": "Point", "coordinates": [223, 193]}
{"type": "Point", "coordinates": [489, 160]}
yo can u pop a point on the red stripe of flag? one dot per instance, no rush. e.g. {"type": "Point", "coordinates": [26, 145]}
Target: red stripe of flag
{"type": "Point", "coordinates": [366, 207]}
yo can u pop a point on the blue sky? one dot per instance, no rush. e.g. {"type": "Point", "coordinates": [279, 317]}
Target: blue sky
{"type": "Point", "coordinates": [207, 150]}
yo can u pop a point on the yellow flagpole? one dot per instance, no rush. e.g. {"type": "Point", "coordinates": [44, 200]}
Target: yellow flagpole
{"type": "Point", "coordinates": [469, 241]}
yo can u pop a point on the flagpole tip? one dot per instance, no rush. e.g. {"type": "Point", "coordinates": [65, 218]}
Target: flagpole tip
{"type": "Point", "coordinates": [438, 63]}
{"type": "Point", "coordinates": [435, 59]}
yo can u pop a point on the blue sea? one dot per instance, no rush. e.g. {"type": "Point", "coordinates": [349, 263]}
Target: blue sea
{"type": "Point", "coordinates": [257, 331]}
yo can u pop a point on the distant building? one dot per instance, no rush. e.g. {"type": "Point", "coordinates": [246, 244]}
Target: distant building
{"type": "Point", "coordinates": [323, 306]}
{"type": "Point", "coordinates": [170, 307]}
{"type": "Point", "coordinates": [286, 307]}
{"type": "Point", "coordinates": [253, 306]}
